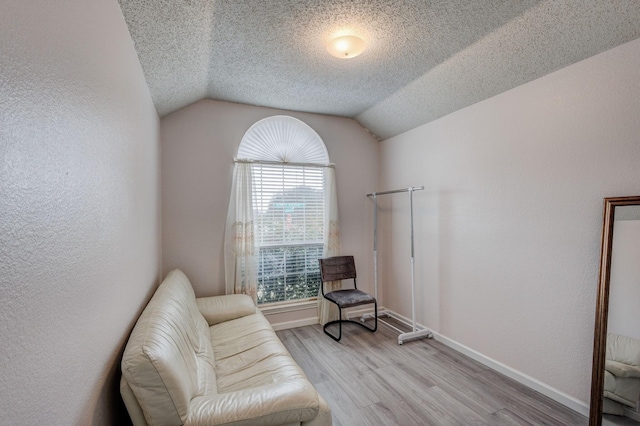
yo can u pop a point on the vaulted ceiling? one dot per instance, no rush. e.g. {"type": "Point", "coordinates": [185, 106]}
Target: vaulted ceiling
{"type": "Point", "coordinates": [424, 59]}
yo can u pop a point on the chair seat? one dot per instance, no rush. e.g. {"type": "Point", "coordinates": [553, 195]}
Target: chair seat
{"type": "Point", "coordinates": [349, 297]}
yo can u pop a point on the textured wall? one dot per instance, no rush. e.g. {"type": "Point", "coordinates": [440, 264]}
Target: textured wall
{"type": "Point", "coordinates": [198, 146]}
{"type": "Point", "coordinates": [79, 208]}
{"type": "Point", "coordinates": [508, 227]}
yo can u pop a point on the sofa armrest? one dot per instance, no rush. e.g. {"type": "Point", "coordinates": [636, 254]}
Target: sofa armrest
{"type": "Point", "coordinates": [273, 404]}
{"type": "Point", "coordinates": [217, 309]}
{"type": "Point", "coordinates": [619, 369]}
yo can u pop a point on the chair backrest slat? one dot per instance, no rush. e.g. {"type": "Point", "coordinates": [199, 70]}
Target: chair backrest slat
{"type": "Point", "coordinates": [337, 268]}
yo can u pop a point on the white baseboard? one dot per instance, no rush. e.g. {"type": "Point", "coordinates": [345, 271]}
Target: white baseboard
{"type": "Point", "coordinates": [282, 308]}
{"type": "Point", "coordinates": [551, 392]}
{"type": "Point", "coordinates": [353, 313]}
{"type": "Point", "coordinates": [294, 324]}
{"type": "Point", "coordinates": [313, 319]}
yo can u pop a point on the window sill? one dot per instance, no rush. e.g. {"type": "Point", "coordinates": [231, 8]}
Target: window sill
{"type": "Point", "coordinates": [280, 308]}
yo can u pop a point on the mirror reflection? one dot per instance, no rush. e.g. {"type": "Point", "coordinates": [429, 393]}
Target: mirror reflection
{"type": "Point", "coordinates": [622, 360]}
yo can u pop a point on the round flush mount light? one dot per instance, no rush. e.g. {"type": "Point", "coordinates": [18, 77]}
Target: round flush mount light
{"type": "Point", "coordinates": [346, 47]}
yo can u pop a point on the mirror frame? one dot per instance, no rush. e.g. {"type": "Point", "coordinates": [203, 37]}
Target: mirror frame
{"type": "Point", "coordinates": [602, 306]}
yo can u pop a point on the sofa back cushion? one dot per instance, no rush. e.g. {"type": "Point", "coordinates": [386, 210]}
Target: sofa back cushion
{"type": "Point", "coordinates": [623, 349]}
{"type": "Point", "coordinates": [168, 359]}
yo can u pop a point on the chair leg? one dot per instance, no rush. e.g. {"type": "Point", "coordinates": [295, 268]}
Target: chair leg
{"type": "Point", "coordinates": [375, 317]}
{"type": "Point", "coordinates": [339, 321]}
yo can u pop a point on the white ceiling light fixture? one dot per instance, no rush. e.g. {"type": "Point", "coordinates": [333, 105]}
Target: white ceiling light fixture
{"type": "Point", "coordinates": [346, 47]}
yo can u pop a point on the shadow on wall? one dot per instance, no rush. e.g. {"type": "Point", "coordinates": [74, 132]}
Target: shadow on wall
{"type": "Point", "coordinates": [104, 404]}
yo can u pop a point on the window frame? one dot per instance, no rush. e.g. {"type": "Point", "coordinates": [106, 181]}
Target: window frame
{"type": "Point", "coordinates": [261, 168]}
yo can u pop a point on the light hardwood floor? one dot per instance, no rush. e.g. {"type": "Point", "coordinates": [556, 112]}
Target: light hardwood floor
{"type": "Point", "coordinates": [368, 379]}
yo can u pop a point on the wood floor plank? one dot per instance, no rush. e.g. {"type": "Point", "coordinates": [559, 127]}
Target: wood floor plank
{"type": "Point", "coordinates": [467, 395]}
{"type": "Point", "coordinates": [456, 359]}
{"type": "Point", "coordinates": [439, 408]}
{"type": "Point", "coordinates": [335, 421]}
{"type": "Point", "coordinates": [368, 379]}
{"type": "Point", "coordinates": [343, 409]}
{"type": "Point", "coordinates": [435, 369]}
{"type": "Point", "coordinates": [311, 366]}
{"type": "Point", "coordinates": [397, 413]}
{"type": "Point", "coordinates": [401, 385]}
{"type": "Point", "coordinates": [369, 349]}
{"type": "Point", "coordinates": [346, 371]}
{"type": "Point", "coordinates": [505, 417]}
{"type": "Point", "coordinates": [530, 405]}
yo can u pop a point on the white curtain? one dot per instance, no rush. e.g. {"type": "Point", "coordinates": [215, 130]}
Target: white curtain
{"type": "Point", "coordinates": [328, 311]}
{"type": "Point", "coordinates": [240, 246]}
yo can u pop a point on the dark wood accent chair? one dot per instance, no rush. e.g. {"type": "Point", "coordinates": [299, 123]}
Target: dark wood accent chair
{"type": "Point", "coordinates": [344, 268]}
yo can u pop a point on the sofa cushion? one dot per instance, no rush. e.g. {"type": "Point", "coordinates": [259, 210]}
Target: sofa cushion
{"type": "Point", "coordinates": [217, 309]}
{"type": "Point", "coordinates": [249, 354]}
{"type": "Point", "coordinates": [622, 371]}
{"type": "Point", "coordinates": [168, 359]}
{"type": "Point", "coordinates": [623, 349]}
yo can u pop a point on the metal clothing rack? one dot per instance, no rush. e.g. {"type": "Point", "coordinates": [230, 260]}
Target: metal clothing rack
{"type": "Point", "coordinates": [416, 332]}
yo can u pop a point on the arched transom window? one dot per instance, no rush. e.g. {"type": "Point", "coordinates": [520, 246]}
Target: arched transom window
{"type": "Point", "coordinates": [283, 139]}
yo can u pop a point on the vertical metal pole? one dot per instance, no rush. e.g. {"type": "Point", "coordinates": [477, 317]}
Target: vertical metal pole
{"type": "Point", "coordinates": [413, 286]}
{"type": "Point", "coordinates": [375, 245]}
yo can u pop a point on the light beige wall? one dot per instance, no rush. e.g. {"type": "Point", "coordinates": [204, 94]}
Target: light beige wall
{"type": "Point", "coordinates": [508, 227]}
{"type": "Point", "coordinates": [198, 146]}
{"type": "Point", "coordinates": [79, 209]}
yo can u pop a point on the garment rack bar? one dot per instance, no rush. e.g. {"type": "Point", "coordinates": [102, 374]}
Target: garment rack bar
{"type": "Point", "coordinates": [395, 191]}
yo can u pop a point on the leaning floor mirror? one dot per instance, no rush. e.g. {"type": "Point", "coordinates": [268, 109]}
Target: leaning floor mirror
{"type": "Point", "coordinates": [615, 386]}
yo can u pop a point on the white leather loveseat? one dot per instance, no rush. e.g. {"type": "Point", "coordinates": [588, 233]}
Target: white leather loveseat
{"type": "Point", "coordinates": [212, 361]}
{"type": "Point", "coordinates": [622, 374]}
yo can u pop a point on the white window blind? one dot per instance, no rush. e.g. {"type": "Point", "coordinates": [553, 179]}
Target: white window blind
{"type": "Point", "coordinates": [288, 204]}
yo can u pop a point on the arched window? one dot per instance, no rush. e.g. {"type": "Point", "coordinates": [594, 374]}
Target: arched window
{"type": "Point", "coordinates": [283, 139]}
{"type": "Point", "coordinates": [283, 211]}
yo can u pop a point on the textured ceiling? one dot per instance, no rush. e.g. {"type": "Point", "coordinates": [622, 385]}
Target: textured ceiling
{"type": "Point", "coordinates": [425, 59]}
